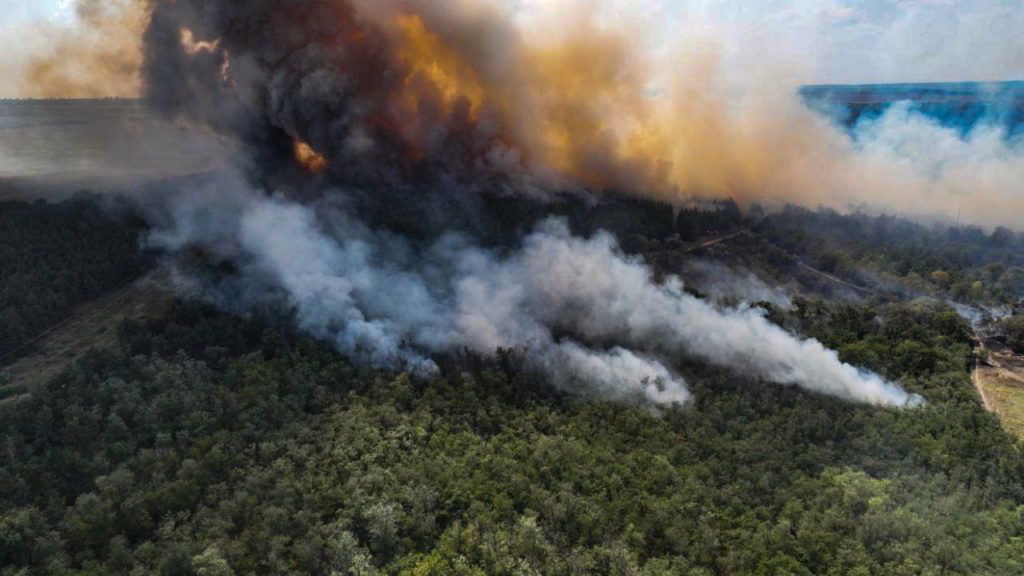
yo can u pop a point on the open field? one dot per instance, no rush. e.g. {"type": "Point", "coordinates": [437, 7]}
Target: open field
{"type": "Point", "coordinates": [93, 326]}
{"type": "Point", "coordinates": [52, 148]}
{"type": "Point", "coordinates": [1004, 394]}
{"type": "Point", "coordinates": [999, 378]}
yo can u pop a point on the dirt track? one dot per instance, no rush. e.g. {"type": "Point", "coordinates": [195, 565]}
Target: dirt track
{"type": "Point", "coordinates": [713, 241]}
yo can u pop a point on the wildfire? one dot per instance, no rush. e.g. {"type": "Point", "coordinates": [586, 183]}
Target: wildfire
{"type": "Point", "coordinates": [225, 69]}
{"type": "Point", "coordinates": [310, 159]}
{"type": "Point", "coordinates": [575, 104]}
{"type": "Point", "coordinates": [571, 108]}
{"type": "Point", "coordinates": [434, 66]}
{"type": "Point", "coordinates": [193, 46]}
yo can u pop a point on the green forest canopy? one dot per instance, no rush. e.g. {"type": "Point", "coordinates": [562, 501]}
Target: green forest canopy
{"type": "Point", "coordinates": [225, 445]}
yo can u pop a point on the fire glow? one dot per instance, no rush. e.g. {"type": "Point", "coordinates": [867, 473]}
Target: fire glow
{"type": "Point", "coordinates": [310, 159]}
{"type": "Point", "coordinates": [576, 106]}
{"type": "Point", "coordinates": [407, 113]}
{"type": "Point", "coordinates": [193, 46]}
{"type": "Point", "coordinates": [416, 89]}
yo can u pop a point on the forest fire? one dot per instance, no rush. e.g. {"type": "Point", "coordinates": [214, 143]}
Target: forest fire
{"type": "Point", "coordinates": [511, 286]}
{"type": "Point", "coordinates": [309, 158]}
{"type": "Point", "coordinates": [434, 66]}
{"type": "Point", "coordinates": [457, 92]}
{"type": "Point", "coordinates": [571, 107]}
{"type": "Point", "coordinates": [193, 46]}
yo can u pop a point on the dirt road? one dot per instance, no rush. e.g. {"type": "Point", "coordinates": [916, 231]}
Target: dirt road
{"type": "Point", "coordinates": [976, 374]}
{"type": "Point", "coordinates": [713, 241]}
{"type": "Point", "coordinates": [1000, 383]}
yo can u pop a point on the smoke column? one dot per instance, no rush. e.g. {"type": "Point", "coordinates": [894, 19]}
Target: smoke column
{"type": "Point", "coordinates": [392, 302]}
{"type": "Point", "coordinates": [692, 100]}
{"type": "Point", "coordinates": [392, 90]}
{"type": "Point", "coordinates": [352, 111]}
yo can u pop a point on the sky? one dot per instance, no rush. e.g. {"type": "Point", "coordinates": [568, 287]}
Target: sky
{"type": "Point", "coordinates": [839, 41]}
{"type": "Point", "coordinates": [809, 41]}
{"type": "Point", "coordinates": [22, 12]}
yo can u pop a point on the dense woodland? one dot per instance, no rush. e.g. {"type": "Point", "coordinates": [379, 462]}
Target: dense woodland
{"type": "Point", "coordinates": [964, 263]}
{"type": "Point", "coordinates": [54, 257]}
{"type": "Point", "coordinates": [215, 445]}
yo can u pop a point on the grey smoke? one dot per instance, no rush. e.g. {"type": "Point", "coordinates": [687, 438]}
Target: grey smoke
{"type": "Point", "coordinates": [382, 253]}
{"type": "Point", "coordinates": [980, 315]}
{"type": "Point", "coordinates": [381, 298]}
{"type": "Point", "coordinates": [722, 282]}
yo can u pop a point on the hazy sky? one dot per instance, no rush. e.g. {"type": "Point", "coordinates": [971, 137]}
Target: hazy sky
{"type": "Point", "coordinates": [21, 12]}
{"type": "Point", "coordinates": [806, 41]}
{"type": "Point", "coordinates": [849, 41]}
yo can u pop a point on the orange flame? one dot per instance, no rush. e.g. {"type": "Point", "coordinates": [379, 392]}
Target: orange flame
{"type": "Point", "coordinates": [579, 107]}
{"type": "Point", "coordinates": [575, 105]}
{"type": "Point", "coordinates": [193, 46]}
{"type": "Point", "coordinates": [433, 65]}
{"type": "Point", "coordinates": [310, 159]}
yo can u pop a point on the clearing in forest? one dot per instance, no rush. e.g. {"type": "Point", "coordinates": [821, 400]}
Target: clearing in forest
{"type": "Point", "coordinates": [93, 326]}
{"type": "Point", "coordinates": [1001, 382]}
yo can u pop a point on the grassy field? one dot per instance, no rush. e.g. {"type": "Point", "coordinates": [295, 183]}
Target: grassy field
{"type": "Point", "coordinates": [1007, 398]}
{"type": "Point", "coordinates": [1002, 379]}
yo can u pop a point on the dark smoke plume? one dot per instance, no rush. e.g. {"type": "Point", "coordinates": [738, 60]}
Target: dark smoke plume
{"type": "Point", "coordinates": [358, 117]}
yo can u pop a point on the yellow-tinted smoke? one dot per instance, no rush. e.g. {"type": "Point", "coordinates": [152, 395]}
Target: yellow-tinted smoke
{"type": "Point", "coordinates": [99, 57]}
{"type": "Point", "coordinates": [580, 105]}
{"type": "Point", "coordinates": [583, 106]}
{"type": "Point", "coordinates": [310, 159]}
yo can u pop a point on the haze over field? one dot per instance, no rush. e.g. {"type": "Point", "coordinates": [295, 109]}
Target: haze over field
{"type": "Point", "coordinates": [51, 149]}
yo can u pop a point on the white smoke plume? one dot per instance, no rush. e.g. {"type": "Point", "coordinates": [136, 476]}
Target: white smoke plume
{"type": "Point", "coordinates": [384, 299]}
{"type": "Point", "coordinates": [722, 282]}
{"type": "Point", "coordinates": [391, 123]}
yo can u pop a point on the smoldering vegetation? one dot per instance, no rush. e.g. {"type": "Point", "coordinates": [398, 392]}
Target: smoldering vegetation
{"type": "Point", "coordinates": [395, 145]}
{"type": "Point", "coordinates": [395, 193]}
{"type": "Point", "coordinates": [589, 316]}
{"type": "Point", "coordinates": [417, 234]}
{"type": "Point", "coordinates": [900, 257]}
{"type": "Point", "coordinates": [729, 285]}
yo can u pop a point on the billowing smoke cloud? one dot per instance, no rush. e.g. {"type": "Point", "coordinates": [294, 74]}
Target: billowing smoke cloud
{"type": "Point", "coordinates": [395, 89]}
{"type": "Point", "coordinates": [357, 111]}
{"type": "Point", "coordinates": [401, 91]}
{"type": "Point", "coordinates": [722, 282]}
{"type": "Point", "coordinates": [361, 115]}
{"type": "Point", "coordinates": [591, 318]}
{"type": "Point", "coordinates": [98, 56]}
